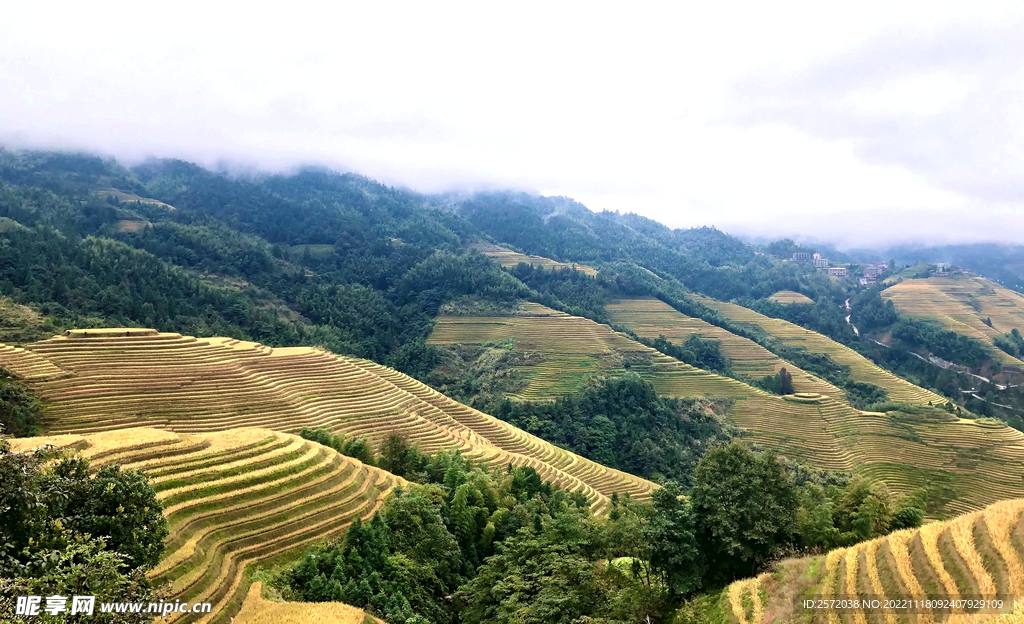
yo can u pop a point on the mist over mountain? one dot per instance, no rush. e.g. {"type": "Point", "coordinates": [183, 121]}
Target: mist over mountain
{"type": "Point", "coordinates": [878, 126]}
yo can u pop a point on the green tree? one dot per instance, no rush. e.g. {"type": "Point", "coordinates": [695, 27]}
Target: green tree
{"type": "Point", "coordinates": [785, 381]}
{"type": "Point", "coordinates": [82, 566]}
{"type": "Point", "coordinates": [359, 448]}
{"type": "Point", "coordinates": [65, 531]}
{"type": "Point", "coordinates": [19, 409]}
{"type": "Point", "coordinates": [396, 456]}
{"type": "Point", "coordinates": [745, 504]}
{"type": "Point", "coordinates": [46, 496]}
{"type": "Point", "coordinates": [534, 581]}
{"type": "Point", "coordinates": [863, 510]}
{"type": "Point", "coordinates": [672, 534]}
{"type": "Point", "coordinates": [814, 522]}
{"type": "Point", "coordinates": [121, 506]}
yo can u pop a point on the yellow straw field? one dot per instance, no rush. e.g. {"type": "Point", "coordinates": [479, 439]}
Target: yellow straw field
{"type": "Point", "coordinates": [861, 369]}
{"type": "Point", "coordinates": [573, 349]}
{"type": "Point", "coordinates": [960, 304]}
{"type": "Point", "coordinates": [975, 556]}
{"type": "Point", "coordinates": [236, 498]}
{"type": "Point", "coordinates": [257, 610]}
{"type": "Point", "coordinates": [508, 259]}
{"type": "Point", "coordinates": [186, 385]}
{"type": "Point", "coordinates": [978, 462]}
{"type": "Point", "coordinates": [651, 318]}
{"type": "Point", "coordinates": [790, 296]}
{"type": "Point", "coordinates": [110, 380]}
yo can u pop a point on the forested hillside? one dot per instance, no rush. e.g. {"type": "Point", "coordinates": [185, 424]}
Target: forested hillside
{"type": "Point", "coordinates": [316, 258]}
{"type": "Point", "coordinates": [361, 269]}
{"type": "Point", "coordinates": [765, 280]}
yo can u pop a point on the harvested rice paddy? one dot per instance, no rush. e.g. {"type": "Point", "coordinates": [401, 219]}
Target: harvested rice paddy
{"type": "Point", "coordinates": [257, 610]}
{"type": "Point", "coordinates": [104, 380]}
{"type": "Point", "coordinates": [975, 555]}
{"type": "Point", "coordinates": [574, 349]}
{"type": "Point", "coordinates": [962, 304]}
{"type": "Point", "coordinates": [236, 498]}
{"type": "Point", "coordinates": [861, 369]}
{"type": "Point", "coordinates": [977, 462]}
{"type": "Point", "coordinates": [650, 318]}
{"type": "Point", "coordinates": [124, 196]}
{"type": "Point", "coordinates": [790, 296]}
{"type": "Point", "coordinates": [508, 259]}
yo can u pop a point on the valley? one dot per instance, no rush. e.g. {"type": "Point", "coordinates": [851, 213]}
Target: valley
{"type": "Point", "coordinates": [237, 337]}
{"type": "Point", "coordinates": [792, 335]}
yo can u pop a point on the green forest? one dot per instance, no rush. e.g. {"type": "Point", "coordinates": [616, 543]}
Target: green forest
{"type": "Point", "coordinates": [446, 549]}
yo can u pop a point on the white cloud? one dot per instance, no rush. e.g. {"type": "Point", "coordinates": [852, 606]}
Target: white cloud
{"type": "Point", "coordinates": [758, 118]}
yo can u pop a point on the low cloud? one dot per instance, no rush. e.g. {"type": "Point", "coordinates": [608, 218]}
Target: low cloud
{"type": "Point", "coordinates": [947, 105]}
{"type": "Point", "coordinates": [876, 123]}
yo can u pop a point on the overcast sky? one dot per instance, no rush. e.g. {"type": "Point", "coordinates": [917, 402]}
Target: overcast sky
{"type": "Point", "coordinates": [867, 124]}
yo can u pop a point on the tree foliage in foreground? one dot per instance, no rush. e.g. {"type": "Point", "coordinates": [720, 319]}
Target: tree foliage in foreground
{"type": "Point", "coordinates": [19, 409]}
{"type": "Point", "coordinates": [465, 544]}
{"type": "Point", "coordinates": [67, 531]}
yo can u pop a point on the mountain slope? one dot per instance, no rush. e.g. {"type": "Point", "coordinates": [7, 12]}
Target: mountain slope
{"type": "Point", "coordinates": [966, 463]}
{"type": "Point", "coordinates": [861, 369]}
{"type": "Point", "coordinates": [963, 304]}
{"type": "Point", "coordinates": [569, 350]}
{"type": "Point", "coordinates": [651, 318]}
{"type": "Point", "coordinates": [974, 556]}
{"type": "Point", "coordinates": [235, 498]}
{"type": "Point", "coordinates": [119, 378]}
{"type": "Point", "coordinates": [508, 259]}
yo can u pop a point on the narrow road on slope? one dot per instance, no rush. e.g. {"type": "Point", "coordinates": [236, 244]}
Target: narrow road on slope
{"type": "Point", "coordinates": [980, 398]}
{"type": "Point", "coordinates": [941, 363]}
{"type": "Point", "coordinates": [937, 361]}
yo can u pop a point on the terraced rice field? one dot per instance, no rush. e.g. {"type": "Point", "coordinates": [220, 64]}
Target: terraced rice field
{"type": "Point", "coordinates": [979, 462]}
{"type": "Point", "coordinates": [133, 225]}
{"type": "Point", "coordinates": [123, 196]}
{"type": "Point", "coordinates": [257, 610]}
{"type": "Point", "coordinates": [969, 557]}
{"type": "Point", "coordinates": [102, 380]}
{"type": "Point", "coordinates": [508, 259]}
{"type": "Point", "coordinates": [959, 304]}
{"type": "Point", "coordinates": [651, 318]}
{"type": "Point", "coordinates": [573, 349]}
{"type": "Point", "coordinates": [236, 498]}
{"type": "Point", "coordinates": [790, 296]}
{"type": "Point", "coordinates": [861, 369]}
